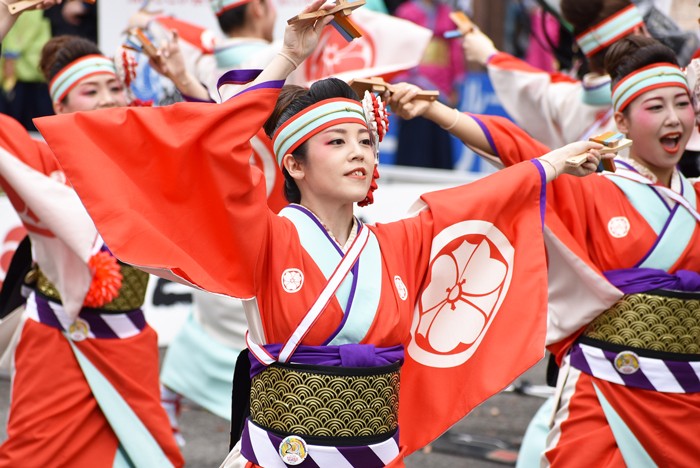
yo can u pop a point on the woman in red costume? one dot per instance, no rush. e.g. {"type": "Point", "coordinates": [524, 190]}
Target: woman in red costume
{"type": "Point", "coordinates": [339, 312]}
{"type": "Point", "coordinates": [624, 287]}
{"type": "Point", "coordinates": [85, 384]}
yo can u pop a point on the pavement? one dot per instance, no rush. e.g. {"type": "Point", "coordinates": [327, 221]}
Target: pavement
{"type": "Point", "coordinates": [505, 417]}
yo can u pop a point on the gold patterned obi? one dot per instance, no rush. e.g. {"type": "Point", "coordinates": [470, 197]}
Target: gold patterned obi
{"type": "Point", "coordinates": [326, 401]}
{"type": "Point", "coordinates": [131, 294]}
{"type": "Point", "coordinates": [664, 321]}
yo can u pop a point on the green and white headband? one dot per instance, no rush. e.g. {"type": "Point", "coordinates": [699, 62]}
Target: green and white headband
{"type": "Point", "coordinates": [77, 71]}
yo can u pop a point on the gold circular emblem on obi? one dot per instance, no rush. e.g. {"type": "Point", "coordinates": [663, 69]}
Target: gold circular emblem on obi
{"type": "Point", "coordinates": [627, 362]}
{"type": "Point", "coordinates": [293, 450]}
{"type": "Point", "coordinates": [78, 330]}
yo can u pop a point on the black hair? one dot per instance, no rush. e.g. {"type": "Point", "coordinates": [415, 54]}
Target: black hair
{"type": "Point", "coordinates": [294, 99]}
{"type": "Point", "coordinates": [584, 14]}
{"type": "Point", "coordinates": [234, 18]}
{"type": "Point", "coordinates": [634, 52]}
{"type": "Point", "coordinates": [61, 51]}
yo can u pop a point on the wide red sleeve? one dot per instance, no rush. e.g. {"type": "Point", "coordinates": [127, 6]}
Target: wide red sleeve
{"type": "Point", "coordinates": [567, 196]}
{"type": "Point", "coordinates": [477, 282]}
{"type": "Point", "coordinates": [172, 188]}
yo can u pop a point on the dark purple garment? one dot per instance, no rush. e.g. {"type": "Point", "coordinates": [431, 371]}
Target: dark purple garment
{"type": "Point", "coordinates": [348, 355]}
{"type": "Point", "coordinates": [638, 280]}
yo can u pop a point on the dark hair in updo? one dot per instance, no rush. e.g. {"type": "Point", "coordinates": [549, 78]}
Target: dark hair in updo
{"type": "Point", "coordinates": [634, 52]}
{"type": "Point", "coordinates": [584, 14]}
{"type": "Point", "coordinates": [61, 51]}
{"type": "Point", "coordinates": [294, 99]}
{"type": "Point", "coordinates": [233, 18]}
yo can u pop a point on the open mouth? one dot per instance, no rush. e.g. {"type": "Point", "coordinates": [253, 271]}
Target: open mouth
{"type": "Point", "coordinates": [356, 174]}
{"type": "Point", "coordinates": [671, 142]}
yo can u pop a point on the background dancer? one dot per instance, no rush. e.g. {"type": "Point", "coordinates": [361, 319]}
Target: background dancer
{"type": "Point", "coordinates": [555, 108]}
{"type": "Point", "coordinates": [284, 261]}
{"type": "Point", "coordinates": [624, 281]}
{"type": "Point", "coordinates": [85, 384]}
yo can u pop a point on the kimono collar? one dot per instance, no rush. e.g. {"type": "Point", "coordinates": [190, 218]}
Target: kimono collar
{"type": "Point", "coordinates": [351, 237]}
{"type": "Point", "coordinates": [643, 170]}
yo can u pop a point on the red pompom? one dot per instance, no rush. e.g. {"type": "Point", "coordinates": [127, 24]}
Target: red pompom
{"type": "Point", "coordinates": [106, 280]}
{"type": "Point", "coordinates": [369, 199]}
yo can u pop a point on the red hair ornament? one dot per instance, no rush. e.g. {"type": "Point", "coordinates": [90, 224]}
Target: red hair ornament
{"type": "Point", "coordinates": [378, 122]}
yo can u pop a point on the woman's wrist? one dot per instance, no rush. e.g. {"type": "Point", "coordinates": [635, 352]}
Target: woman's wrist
{"type": "Point", "coordinates": [442, 115]}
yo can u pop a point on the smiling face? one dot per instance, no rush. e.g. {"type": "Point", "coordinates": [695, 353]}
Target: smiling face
{"type": "Point", "coordinates": [94, 92]}
{"type": "Point", "coordinates": [659, 122]}
{"type": "Point", "coordinates": [338, 168]}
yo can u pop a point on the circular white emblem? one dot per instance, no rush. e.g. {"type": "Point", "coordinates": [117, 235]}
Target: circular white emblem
{"type": "Point", "coordinates": [58, 176]}
{"type": "Point", "coordinates": [619, 226]}
{"type": "Point", "coordinates": [293, 450]}
{"type": "Point", "coordinates": [401, 288]}
{"type": "Point", "coordinates": [471, 266]}
{"type": "Point", "coordinates": [292, 280]}
{"type": "Point", "coordinates": [78, 330]}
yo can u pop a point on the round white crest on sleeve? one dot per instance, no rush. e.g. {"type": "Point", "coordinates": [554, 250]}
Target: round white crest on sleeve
{"type": "Point", "coordinates": [292, 280]}
{"type": "Point", "coordinates": [619, 226]}
{"type": "Point", "coordinates": [401, 288]}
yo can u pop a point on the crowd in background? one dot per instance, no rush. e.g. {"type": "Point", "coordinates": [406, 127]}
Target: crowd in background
{"type": "Point", "coordinates": [536, 34]}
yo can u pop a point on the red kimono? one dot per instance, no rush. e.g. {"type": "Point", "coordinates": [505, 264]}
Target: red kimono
{"type": "Point", "coordinates": [55, 420]}
{"type": "Point", "coordinates": [447, 283]}
{"type": "Point", "coordinates": [606, 223]}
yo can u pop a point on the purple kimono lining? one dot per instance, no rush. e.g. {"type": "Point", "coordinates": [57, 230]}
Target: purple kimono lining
{"type": "Point", "coordinates": [242, 77]}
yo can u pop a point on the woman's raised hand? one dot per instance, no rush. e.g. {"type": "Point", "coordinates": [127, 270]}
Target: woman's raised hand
{"type": "Point", "coordinates": [403, 103]}
{"type": "Point", "coordinates": [7, 20]}
{"type": "Point", "coordinates": [301, 38]}
{"type": "Point", "coordinates": [557, 159]}
{"type": "Point", "coordinates": [478, 47]}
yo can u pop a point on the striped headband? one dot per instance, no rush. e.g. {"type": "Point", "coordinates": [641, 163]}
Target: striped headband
{"type": "Point", "coordinates": [313, 120]}
{"type": "Point", "coordinates": [603, 34]}
{"type": "Point", "coordinates": [220, 6]}
{"type": "Point", "coordinates": [657, 75]}
{"type": "Point", "coordinates": [74, 72]}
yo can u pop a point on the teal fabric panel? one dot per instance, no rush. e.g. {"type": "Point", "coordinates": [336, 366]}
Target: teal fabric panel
{"type": "Point", "coordinates": [632, 450]}
{"type": "Point", "coordinates": [366, 301]}
{"type": "Point", "coordinates": [673, 244]}
{"type": "Point", "coordinates": [599, 96]}
{"type": "Point", "coordinates": [200, 368]}
{"type": "Point", "coordinates": [228, 57]}
{"type": "Point", "coordinates": [137, 442]}
{"type": "Point", "coordinates": [321, 250]}
{"type": "Point", "coordinates": [377, 5]}
{"type": "Point", "coordinates": [535, 439]}
{"type": "Point", "coordinates": [644, 200]}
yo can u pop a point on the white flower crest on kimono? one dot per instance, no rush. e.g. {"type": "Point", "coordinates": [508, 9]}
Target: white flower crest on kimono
{"type": "Point", "coordinates": [464, 288]}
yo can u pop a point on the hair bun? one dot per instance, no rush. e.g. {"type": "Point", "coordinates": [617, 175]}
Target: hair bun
{"type": "Point", "coordinates": [634, 52]}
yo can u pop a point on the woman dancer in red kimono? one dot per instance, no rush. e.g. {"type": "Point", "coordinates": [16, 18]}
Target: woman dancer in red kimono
{"type": "Point", "coordinates": [624, 259]}
{"type": "Point", "coordinates": [331, 303]}
{"type": "Point", "coordinates": [85, 384]}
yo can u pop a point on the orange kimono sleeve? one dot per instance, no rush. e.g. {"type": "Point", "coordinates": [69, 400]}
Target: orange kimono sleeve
{"type": "Point", "coordinates": [172, 188]}
{"type": "Point", "coordinates": [566, 196]}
